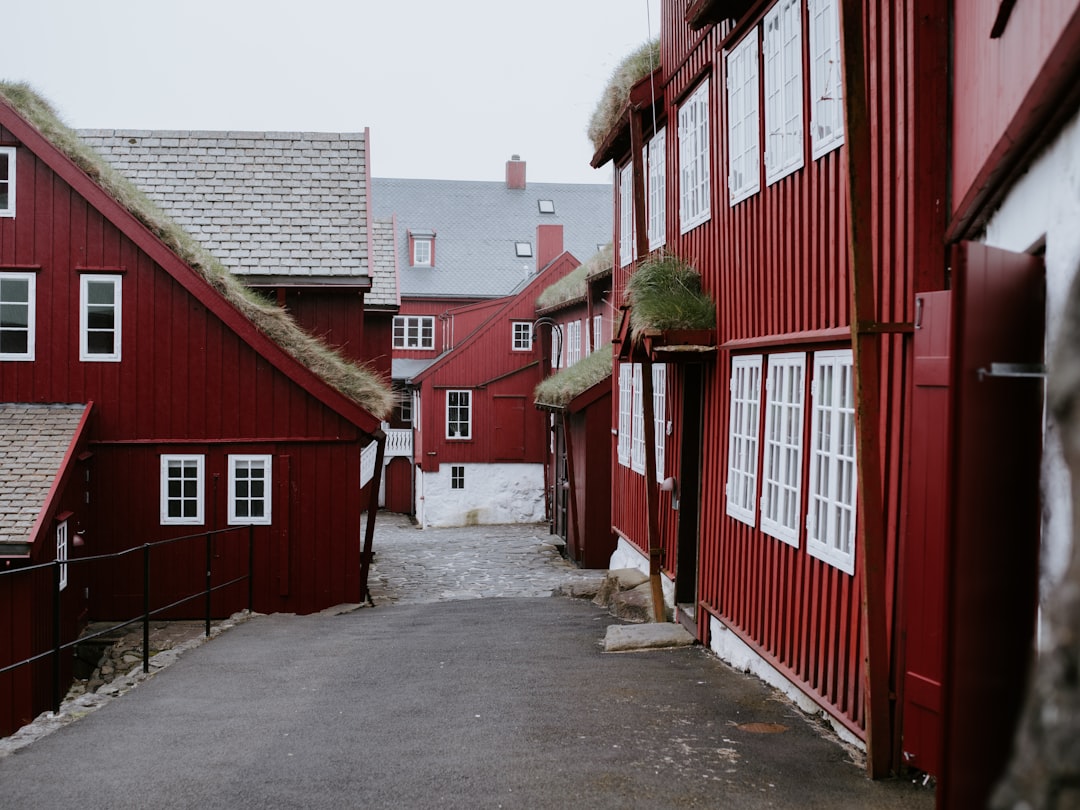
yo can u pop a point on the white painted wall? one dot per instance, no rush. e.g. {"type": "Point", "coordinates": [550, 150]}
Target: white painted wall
{"type": "Point", "coordinates": [627, 555]}
{"type": "Point", "coordinates": [1045, 203]}
{"type": "Point", "coordinates": [493, 493]}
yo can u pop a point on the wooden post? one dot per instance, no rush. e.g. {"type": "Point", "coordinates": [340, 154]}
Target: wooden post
{"type": "Point", "coordinates": [373, 507]}
{"type": "Point", "coordinates": [568, 448]}
{"type": "Point", "coordinates": [870, 541]}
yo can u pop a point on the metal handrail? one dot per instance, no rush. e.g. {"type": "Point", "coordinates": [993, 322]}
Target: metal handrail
{"type": "Point", "coordinates": [147, 613]}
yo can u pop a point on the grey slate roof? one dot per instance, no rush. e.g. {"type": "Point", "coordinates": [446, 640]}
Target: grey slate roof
{"type": "Point", "coordinates": [476, 225]}
{"type": "Point", "coordinates": [264, 203]}
{"type": "Point", "coordinates": [33, 441]}
{"type": "Point", "coordinates": [384, 271]}
{"type": "Point", "coordinates": [403, 368]}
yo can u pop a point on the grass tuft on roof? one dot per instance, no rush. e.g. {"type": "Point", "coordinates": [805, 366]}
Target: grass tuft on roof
{"type": "Point", "coordinates": [665, 293]}
{"type": "Point", "coordinates": [635, 67]}
{"type": "Point", "coordinates": [558, 389]}
{"type": "Point", "coordinates": [574, 285]}
{"type": "Point", "coordinates": [358, 382]}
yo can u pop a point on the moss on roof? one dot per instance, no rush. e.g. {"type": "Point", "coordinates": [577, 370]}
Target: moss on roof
{"type": "Point", "coordinates": [665, 293]}
{"type": "Point", "coordinates": [635, 67]}
{"type": "Point", "coordinates": [574, 285]}
{"type": "Point", "coordinates": [358, 382]}
{"type": "Point", "coordinates": [558, 389]}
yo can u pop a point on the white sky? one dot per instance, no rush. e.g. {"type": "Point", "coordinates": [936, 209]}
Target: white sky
{"type": "Point", "coordinates": [449, 88]}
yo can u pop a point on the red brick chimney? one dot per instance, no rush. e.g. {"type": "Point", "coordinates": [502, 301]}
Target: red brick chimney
{"type": "Point", "coordinates": [548, 244]}
{"type": "Point", "coordinates": [515, 172]}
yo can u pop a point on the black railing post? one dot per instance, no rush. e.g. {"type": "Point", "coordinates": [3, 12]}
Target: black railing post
{"type": "Point", "coordinates": [251, 567]}
{"type": "Point", "coordinates": [146, 609]}
{"type": "Point", "coordinates": [208, 563]}
{"type": "Point", "coordinates": [56, 638]}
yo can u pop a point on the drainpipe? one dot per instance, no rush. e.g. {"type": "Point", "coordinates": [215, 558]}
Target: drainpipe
{"type": "Point", "coordinates": [373, 507]}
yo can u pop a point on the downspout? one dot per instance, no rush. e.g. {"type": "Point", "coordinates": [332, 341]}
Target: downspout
{"type": "Point", "coordinates": [865, 335]}
{"type": "Point", "coordinates": [373, 507]}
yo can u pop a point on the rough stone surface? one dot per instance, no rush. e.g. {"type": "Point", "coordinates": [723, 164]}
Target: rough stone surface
{"type": "Point", "coordinates": [620, 579]}
{"type": "Point", "coordinates": [625, 637]}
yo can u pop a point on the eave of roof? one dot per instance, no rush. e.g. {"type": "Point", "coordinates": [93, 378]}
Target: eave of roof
{"type": "Point", "coordinates": [647, 92]}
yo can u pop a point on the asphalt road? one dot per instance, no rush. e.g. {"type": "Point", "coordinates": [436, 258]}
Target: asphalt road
{"type": "Point", "coordinates": [483, 703]}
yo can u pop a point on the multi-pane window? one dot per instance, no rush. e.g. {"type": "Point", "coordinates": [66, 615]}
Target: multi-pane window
{"type": "Point", "coordinates": [17, 314]}
{"type": "Point", "coordinates": [7, 181]}
{"type": "Point", "coordinates": [626, 215]}
{"type": "Point", "coordinates": [405, 414]}
{"type": "Point", "coordinates": [656, 193]}
{"type": "Point", "coordinates": [249, 490]}
{"type": "Point", "coordinates": [457, 477]}
{"type": "Point", "coordinates": [182, 478]}
{"type": "Point", "coordinates": [826, 77]}
{"type": "Point", "coordinates": [459, 414]}
{"type": "Point", "coordinates": [597, 331]}
{"type": "Point", "coordinates": [743, 425]}
{"type": "Point", "coordinates": [660, 421]}
{"type": "Point", "coordinates": [781, 466]}
{"type": "Point", "coordinates": [573, 342]}
{"type": "Point", "coordinates": [830, 519]}
{"type": "Point", "coordinates": [557, 339]}
{"type": "Point", "coordinates": [637, 424]}
{"type": "Point", "coordinates": [626, 408]}
{"type": "Point", "coordinates": [99, 318]}
{"type": "Point", "coordinates": [414, 332]}
{"type": "Point", "coordinates": [421, 253]}
{"type": "Point", "coordinates": [783, 90]}
{"type": "Point", "coordinates": [744, 174]}
{"type": "Point", "coordinates": [694, 159]}
{"type": "Point", "coordinates": [62, 552]}
{"type": "Point", "coordinates": [522, 336]}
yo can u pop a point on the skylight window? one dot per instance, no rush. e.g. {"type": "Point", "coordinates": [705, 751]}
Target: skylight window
{"type": "Point", "coordinates": [523, 250]}
{"type": "Point", "coordinates": [546, 206]}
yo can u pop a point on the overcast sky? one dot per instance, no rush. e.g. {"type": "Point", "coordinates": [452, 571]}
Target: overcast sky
{"type": "Point", "coordinates": [449, 88]}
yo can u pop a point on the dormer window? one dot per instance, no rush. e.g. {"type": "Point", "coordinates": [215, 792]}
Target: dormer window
{"type": "Point", "coordinates": [546, 206]}
{"type": "Point", "coordinates": [523, 250]}
{"type": "Point", "coordinates": [422, 248]}
{"type": "Point", "coordinates": [7, 181]}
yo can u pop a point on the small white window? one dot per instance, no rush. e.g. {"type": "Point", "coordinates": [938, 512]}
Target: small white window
{"type": "Point", "coordinates": [421, 252]}
{"type": "Point", "coordinates": [546, 206]}
{"type": "Point", "coordinates": [694, 182]}
{"type": "Point", "coordinates": [62, 551]}
{"type": "Point", "coordinates": [744, 173]}
{"type": "Point", "coordinates": [743, 426]}
{"type": "Point", "coordinates": [414, 332]}
{"type": "Point", "coordinates": [573, 342]}
{"type": "Point", "coordinates": [626, 215]}
{"type": "Point", "coordinates": [249, 490]}
{"type": "Point", "coordinates": [826, 77]}
{"type": "Point", "coordinates": [557, 347]}
{"type": "Point", "coordinates": [660, 420]}
{"type": "Point", "coordinates": [783, 90]}
{"type": "Point", "coordinates": [626, 405]}
{"type": "Point", "coordinates": [781, 466]}
{"type": "Point", "coordinates": [100, 318]}
{"type": "Point", "coordinates": [457, 477]}
{"type": "Point", "coordinates": [656, 194]}
{"type": "Point", "coordinates": [459, 414]}
{"type": "Point", "coordinates": [522, 336]}
{"type": "Point", "coordinates": [7, 181]}
{"type": "Point", "coordinates": [523, 250]}
{"type": "Point", "coordinates": [18, 309]}
{"type": "Point", "coordinates": [597, 331]}
{"type": "Point", "coordinates": [830, 519]}
{"type": "Point", "coordinates": [637, 425]}
{"type": "Point", "coordinates": [182, 490]}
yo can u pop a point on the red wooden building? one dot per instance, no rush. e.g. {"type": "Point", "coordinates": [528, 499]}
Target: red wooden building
{"type": "Point", "coordinates": [204, 407]}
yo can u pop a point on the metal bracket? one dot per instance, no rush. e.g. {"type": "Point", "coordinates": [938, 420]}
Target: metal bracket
{"type": "Point", "coordinates": [1028, 370]}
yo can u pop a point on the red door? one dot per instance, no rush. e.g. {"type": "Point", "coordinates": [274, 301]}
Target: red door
{"type": "Point", "coordinates": [509, 428]}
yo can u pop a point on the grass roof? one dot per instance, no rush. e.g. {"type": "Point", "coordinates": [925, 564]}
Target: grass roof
{"type": "Point", "coordinates": [574, 285]}
{"type": "Point", "coordinates": [665, 293]}
{"type": "Point", "coordinates": [558, 389]}
{"type": "Point", "coordinates": [635, 67]}
{"type": "Point", "coordinates": [358, 382]}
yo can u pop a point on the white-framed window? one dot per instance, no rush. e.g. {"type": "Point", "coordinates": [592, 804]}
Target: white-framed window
{"type": "Point", "coordinates": [62, 551]}
{"type": "Point", "coordinates": [546, 206]}
{"type": "Point", "coordinates": [597, 331]}
{"type": "Point", "coordinates": [830, 518]}
{"type": "Point", "coordinates": [781, 465]}
{"type": "Point", "coordinates": [100, 317]}
{"type": "Point", "coordinates": [250, 482]}
{"type": "Point", "coordinates": [459, 414]}
{"type": "Point", "coordinates": [660, 420]}
{"type": "Point", "coordinates": [18, 313]}
{"type": "Point", "coordinates": [523, 250]}
{"type": "Point", "coordinates": [557, 341]}
{"type": "Point", "coordinates": [655, 197]}
{"type": "Point", "coordinates": [626, 215]}
{"type": "Point", "coordinates": [637, 424]}
{"type": "Point", "coordinates": [743, 425]}
{"type": "Point", "coordinates": [626, 408]}
{"type": "Point", "coordinates": [457, 476]}
{"type": "Point", "coordinates": [826, 77]}
{"type": "Point", "coordinates": [783, 90]}
{"type": "Point", "coordinates": [182, 488]}
{"type": "Point", "coordinates": [694, 182]}
{"type": "Point", "coordinates": [522, 336]}
{"type": "Point", "coordinates": [7, 181]}
{"type": "Point", "coordinates": [421, 256]}
{"type": "Point", "coordinates": [414, 332]}
{"type": "Point", "coordinates": [405, 408]}
{"type": "Point", "coordinates": [744, 173]}
{"type": "Point", "coordinates": [573, 342]}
